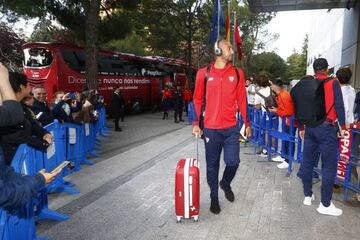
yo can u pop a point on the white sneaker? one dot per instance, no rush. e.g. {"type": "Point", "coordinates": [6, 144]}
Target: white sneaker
{"type": "Point", "coordinates": [330, 210]}
{"type": "Point", "coordinates": [283, 165]}
{"type": "Point", "coordinates": [264, 154]}
{"type": "Point", "coordinates": [278, 159]}
{"type": "Point", "coordinates": [307, 200]}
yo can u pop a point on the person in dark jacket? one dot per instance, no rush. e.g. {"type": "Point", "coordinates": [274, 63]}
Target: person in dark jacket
{"type": "Point", "coordinates": [117, 108]}
{"type": "Point", "coordinates": [15, 189]}
{"type": "Point", "coordinates": [64, 106]}
{"type": "Point", "coordinates": [357, 107]}
{"type": "Point", "coordinates": [178, 104]}
{"type": "Point", "coordinates": [28, 131]}
{"type": "Point", "coordinates": [40, 106]}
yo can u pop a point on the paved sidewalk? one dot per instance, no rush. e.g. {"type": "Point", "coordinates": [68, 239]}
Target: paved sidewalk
{"type": "Point", "coordinates": [130, 196]}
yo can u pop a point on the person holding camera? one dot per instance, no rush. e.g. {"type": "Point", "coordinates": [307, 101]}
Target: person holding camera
{"type": "Point", "coordinates": [15, 190]}
{"type": "Point", "coordinates": [285, 109]}
{"type": "Point", "coordinates": [29, 131]}
{"type": "Point", "coordinates": [220, 88]}
{"type": "Point", "coordinates": [64, 105]}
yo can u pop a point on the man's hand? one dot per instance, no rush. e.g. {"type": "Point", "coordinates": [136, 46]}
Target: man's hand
{"type": "Point", "coordinates": [302, 134]}
{"type": "Point", "coordinates": [248, 132]}
{"type": "Point", "coordinates": [49, 177]}
{"type": "Point", "coordinates": [66, 97]}
{"type": "Point", "coordinates": [48, 137]}
{"type": "Point", "coordinates": [341, 134]}
{"type": "Point", "coordinates": [196, 131]}
{"type": "Point", "coordinates": [273, 109]}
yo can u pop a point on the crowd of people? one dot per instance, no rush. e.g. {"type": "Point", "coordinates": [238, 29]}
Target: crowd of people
{"type": "Point", "coordinates": [24, 115]}
{"type": "Point", "coordinates": [217, 95]}
{"type": "Point", "coordinates": [178, 99]}
{"type": "Point", "coordinates": [221, 91]}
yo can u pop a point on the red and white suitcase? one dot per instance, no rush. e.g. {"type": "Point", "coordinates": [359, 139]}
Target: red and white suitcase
{"type": "Point", "coordinates": [187, 189]}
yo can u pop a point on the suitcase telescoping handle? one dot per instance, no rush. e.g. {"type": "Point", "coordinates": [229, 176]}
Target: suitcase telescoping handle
{"type": "Point", "coordinates": [197, 147]}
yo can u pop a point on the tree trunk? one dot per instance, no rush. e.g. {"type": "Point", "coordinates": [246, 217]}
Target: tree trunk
{"type": "Point", "coordinates": [92, 9]}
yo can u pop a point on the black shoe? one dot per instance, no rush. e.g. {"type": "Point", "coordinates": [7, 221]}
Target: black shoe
{"type": "Point", "coordinates": [228, 192]}
{"type": "Point", "coordinates": [215, 207]}
{"type": "Point", "coordinates": [118, 130]}
{"type": "Point", "coordinates": [181, 120]}
{"type": "Point", "coordinates": [176, 121]}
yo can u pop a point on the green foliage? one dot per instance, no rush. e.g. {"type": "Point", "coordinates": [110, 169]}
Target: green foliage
{"type": "Point", "coordinates": [10, 47]}
{"type": "Point", "coordinates": [131, 44]}
{"type": "Point", "coordinates": [72, 14]}
{"type": "Point", "coordinates": [268, 63]}
{"type": "Point", "coordinates": [297, 63]}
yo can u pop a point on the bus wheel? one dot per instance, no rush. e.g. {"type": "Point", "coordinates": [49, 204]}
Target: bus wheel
{"type": "Point", "coordinates": [137, 105]}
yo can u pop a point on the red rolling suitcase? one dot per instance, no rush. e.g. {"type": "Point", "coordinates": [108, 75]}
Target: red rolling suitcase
{"type": "Point", "coordinates": [187, 189]}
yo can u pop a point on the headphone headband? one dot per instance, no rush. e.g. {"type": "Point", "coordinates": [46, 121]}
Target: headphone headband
{"type": "Point", "coordinates": [217, 49]}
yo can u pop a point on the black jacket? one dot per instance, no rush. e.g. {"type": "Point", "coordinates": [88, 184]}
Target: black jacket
{"type": "Point", "coordinates": [61, 115]}
{"type": "Point", "coordinates": [15, 189]}
{"type": "Point", "coordinates": [117, 105]}
{"type": "Point", "coordinates": [178, 99]}
{"type": "Point", "coordinates": [28, 131]}
{"type": "Point", "coordinates": [46, 117]}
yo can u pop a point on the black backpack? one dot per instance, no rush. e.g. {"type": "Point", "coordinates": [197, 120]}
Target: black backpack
{"type": "Point", "coordinates": [308, 97]}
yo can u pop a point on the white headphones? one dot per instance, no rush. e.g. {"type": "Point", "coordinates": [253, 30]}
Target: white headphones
{"type": "Point", "coordinates": [217, 49]}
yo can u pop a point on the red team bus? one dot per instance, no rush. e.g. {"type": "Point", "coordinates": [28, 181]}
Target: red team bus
{"type": "Point", "coordinates": [141, 79]}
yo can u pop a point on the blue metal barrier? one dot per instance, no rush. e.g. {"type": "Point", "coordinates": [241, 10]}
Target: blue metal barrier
{"type": "Point", "coordinates": [103, 129]}
{"type": "Point", "coordinates": [268, 123]}
{"type": "Point", "coordinates": [20, 224]}
{"type": "Point", "coordinates": [191, 112]}
{"type": "Point", "coordinates": [74, 146]}
{"type": "Point", "coordinates": [286, 137]}
{"type": "Point", "coordinates": [354, 162]}
{"type": "Point", "coordinates": [54, 156]}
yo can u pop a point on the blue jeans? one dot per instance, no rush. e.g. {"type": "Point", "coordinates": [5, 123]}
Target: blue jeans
{"type": "Point", "coordinates": [321, 139]}
{"type": "Point", "coordinates": [216, 140]}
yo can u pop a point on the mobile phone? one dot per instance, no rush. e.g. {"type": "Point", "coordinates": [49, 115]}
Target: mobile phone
{"type": "Point", "coordinates": [72, 95]}
{"type": "Point", "coordinates": [338, 128]}
{"type": "Point", "coordinates": [61, 166]}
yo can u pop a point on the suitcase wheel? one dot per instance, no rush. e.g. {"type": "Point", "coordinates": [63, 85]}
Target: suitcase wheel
{"type": "Point", "coordinates": [196, 218]}
{"type": "Point", "coordinates": [178, 219]}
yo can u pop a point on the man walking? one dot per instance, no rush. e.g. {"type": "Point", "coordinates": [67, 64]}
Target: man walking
{"type": "Point", "coordinates": [324, 139]}
{"type": "Point", "coordinates": [117, 108]}
{"type": "Point", "coordinates": [221, 88]}
{"type": "Point", "coordinates": [178, 105]}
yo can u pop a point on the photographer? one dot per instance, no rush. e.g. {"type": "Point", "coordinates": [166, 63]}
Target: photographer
{"type": "Point", "coordinates": [29, 130]}
{"type": "Point", "coordinates": [15, 189]}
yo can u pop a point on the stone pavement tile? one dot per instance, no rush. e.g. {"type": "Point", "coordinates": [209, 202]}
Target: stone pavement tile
{"type": "Point", "coordinates": [91, 177]}
{"type": "Point", "coordinates": [268, 205]}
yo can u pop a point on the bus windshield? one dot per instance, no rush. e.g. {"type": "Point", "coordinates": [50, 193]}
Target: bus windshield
{"type": "Point", "coordinates": [37, 57]}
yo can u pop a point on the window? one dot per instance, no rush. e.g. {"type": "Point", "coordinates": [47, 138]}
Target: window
{"type": "Point", "coordinates": [37, 57]}
{"type": "Point", "coordinates": [75, 59]}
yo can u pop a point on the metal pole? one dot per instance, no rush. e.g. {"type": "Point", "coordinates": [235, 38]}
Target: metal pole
{"type": "Point", "coordinates": [229, 15]}
{"type": "Point", "coordinates": [234, 44]}
{"type": "Point", "coordinates": [218, 19]}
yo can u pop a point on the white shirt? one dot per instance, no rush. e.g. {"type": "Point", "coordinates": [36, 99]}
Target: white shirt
{"type": "Point", "coordinates": [260, 100]}
{"type": "Point", "coordinates": [348, 93]}
{"type": "Point", "coordinates": [250, 93]}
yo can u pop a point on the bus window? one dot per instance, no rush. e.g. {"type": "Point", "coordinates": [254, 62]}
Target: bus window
{"type": "Point", "coordinates": [113, 64]}
{"type": "Point", "coordinates": [37, 57]}
{"type": "Point", "coordinates": [75, 59]}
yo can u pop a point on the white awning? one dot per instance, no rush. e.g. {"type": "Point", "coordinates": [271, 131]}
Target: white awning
{"type": "Point", "coordinates": [290, 5]}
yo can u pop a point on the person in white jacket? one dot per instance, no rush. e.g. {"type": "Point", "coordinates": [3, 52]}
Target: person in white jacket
{"type": "Point", "coordinates": [344, 75]}
{"type": "Point", "coordinates": [348, 92]}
